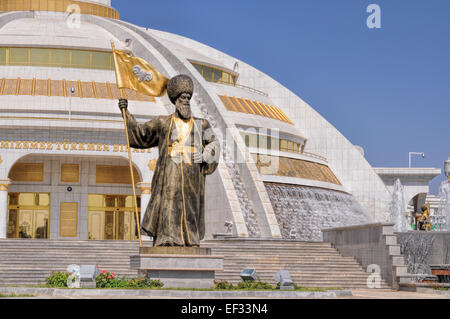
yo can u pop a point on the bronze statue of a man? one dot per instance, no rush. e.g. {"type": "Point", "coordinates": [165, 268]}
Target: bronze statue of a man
{"type": "Point", "coordinates": [188, 151]}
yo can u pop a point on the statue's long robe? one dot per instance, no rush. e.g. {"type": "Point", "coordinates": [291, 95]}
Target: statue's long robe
{"type": "Point", "coordinates": [175, 215]}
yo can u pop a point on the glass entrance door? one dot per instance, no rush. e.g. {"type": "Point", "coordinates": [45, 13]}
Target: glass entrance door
{"type": "Point", "coordinates": [112, 217]}
{"type": "Point", "coordinates": [28, 215]}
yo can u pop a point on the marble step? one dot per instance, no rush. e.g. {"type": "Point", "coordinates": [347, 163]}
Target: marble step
{"type": "Point", "coordinates": [311, 264]}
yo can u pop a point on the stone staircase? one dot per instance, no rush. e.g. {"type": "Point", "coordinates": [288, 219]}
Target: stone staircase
{"type": "Point", "coordinates": [29, 262]}
{"type": "Point", "coordinates": [311, 264]}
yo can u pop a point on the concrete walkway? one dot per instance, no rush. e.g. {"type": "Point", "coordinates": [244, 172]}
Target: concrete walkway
{"type": "Point", "coordinates": [170, 294]}
{"type": "Point", "coordinates": [51, 293]}
{"type": "Point", "coordinates": [393, 294]}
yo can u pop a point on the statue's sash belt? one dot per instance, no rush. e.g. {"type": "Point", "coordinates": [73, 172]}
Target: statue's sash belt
{"type": "Point", "coordinates": [177, 150]}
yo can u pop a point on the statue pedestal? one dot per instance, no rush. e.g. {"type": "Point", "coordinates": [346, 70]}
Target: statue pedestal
{"type": "Point", "coordinates": [178, 267]}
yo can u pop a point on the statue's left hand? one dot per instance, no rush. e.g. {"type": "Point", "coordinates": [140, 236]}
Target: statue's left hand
{"type": "Point", "coordinates": [208, 153]}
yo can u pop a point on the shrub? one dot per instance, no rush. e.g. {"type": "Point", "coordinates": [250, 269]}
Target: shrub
{"type": "Point", "coordinates": [57, 279]}
{"type": "Point", "coordinates": [105, 279]}
{"type": "Point", "coordinates": [223, 285]}
{"type": "Point", "coordinates": [108, 279]}
{"type": "Point", "coordinates": [144, 283]}
{"type": "Point", "coordinates": [254, 285]}
{"type": "Point", "coordinates": [243, 285]}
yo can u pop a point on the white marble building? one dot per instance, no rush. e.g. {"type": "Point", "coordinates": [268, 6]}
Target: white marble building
{"type": "Point", "coordinates": [63, 160]}
{"type": "Point", "coordinates": [414, 180]}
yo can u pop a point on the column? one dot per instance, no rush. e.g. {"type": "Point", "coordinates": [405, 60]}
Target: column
{"type": "Point", "coordinates": [4, 184]}
{"type": "Point", "coordinates": [146, 193]}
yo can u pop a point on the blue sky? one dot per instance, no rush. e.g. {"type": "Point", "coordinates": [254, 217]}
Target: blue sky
{"type": "Point", "coordinates": [386, 89]}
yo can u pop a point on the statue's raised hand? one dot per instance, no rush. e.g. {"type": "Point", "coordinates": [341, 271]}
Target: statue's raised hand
{"type": "Point", "coordinates": [123, 104]}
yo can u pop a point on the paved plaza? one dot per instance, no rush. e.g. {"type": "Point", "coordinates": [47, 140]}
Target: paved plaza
{"type": "Point", "coordinates": [33, 293]}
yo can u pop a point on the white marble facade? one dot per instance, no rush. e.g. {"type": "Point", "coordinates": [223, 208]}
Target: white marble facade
{"type": "Point", "coordinates": [233, 191]}
{"type": "Point", "coordinates": [78, 192]}
{"type": "Point", "coordinates": [414, 180]}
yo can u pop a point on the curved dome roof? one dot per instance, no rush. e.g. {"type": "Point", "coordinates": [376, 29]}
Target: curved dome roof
{"type": "Point", "coordinates": [97, 7]}
{"type": "Point", "coordinates": [102, 2]}
{"type": "Point", "coordinates": [50, 29]}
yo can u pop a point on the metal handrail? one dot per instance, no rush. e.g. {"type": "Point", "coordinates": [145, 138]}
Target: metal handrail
{"type": "Point", "coordinates": [315, 156]}
{"type": "Point", "coordinates": [252, 89]}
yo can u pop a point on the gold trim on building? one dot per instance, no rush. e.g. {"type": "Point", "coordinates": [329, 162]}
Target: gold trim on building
{"type": "Point", "coordinates": [241, 105]}
{"type": "Point", "coordinates": [229, 104]}
{"type": "Point", "coordinates": [28, 215]}
{"type": "Point", "coordinates": [59, 6]}
{"type": "Point", "coordinates": [4, 185]}
{"type": "Point", "coordinates": [112, 217]}
{"type": "Point", "coordinates": [60, 88]}
{"type": "Point", "coordinates": [56, 57]}
{"type": "Point", "coordinates": [68, 145]}
{"type": "Point", "coordinates": [146, 188]}
{"type": "Point", "coordinates": [68, 221]}
{"type": "Point", "coordinates": [257, 110]}
{"type": "Point", "coordinates": [110, 174]}
{"type": "Point", "coordinates": [270, 143]}
{"type": "Point", "coordinates": [292, 167]}
{"type": "Point", "coordinates": [152, 164]}
{"type": "Point", "coordinates": [215, 75]}
{"type": "Point", "coordinates": [251, 108]}
{"type": "Point", "coordinates": [38, 118]}
{"type": "Point", "coordinates": [27, 172]}
{"type": "Point", "coordinates": [70, 173]}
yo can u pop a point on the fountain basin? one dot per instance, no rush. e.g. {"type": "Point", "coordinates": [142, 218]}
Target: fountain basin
{"type": "Point", "coordinates": [442, 272]}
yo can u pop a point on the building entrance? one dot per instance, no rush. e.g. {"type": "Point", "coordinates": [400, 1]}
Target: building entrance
{"type": "Point", "coordinates": [112, 217]}
{"type": "Point", "coordinates": [28, 215]}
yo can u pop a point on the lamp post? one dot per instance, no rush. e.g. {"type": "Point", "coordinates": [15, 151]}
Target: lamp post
{"type": "Point", "coordinates": [72, 90]}
{"type": "Point", "coordinates": [415, 153]}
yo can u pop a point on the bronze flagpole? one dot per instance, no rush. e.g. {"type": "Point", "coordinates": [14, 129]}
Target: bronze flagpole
{"type": "Point", "coordinates": [122, 95]}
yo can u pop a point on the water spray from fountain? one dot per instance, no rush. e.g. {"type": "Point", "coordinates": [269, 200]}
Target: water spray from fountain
{"type": "Point", "coordinates": [444, 205]}
{"type": "Point", "coordinates": [302, 212]}
{"type": "Point", "coordinates": [444, 194]}
{"type": "Point", "coordinates": [397, 208]}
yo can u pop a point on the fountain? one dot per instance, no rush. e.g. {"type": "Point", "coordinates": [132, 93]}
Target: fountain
{"type": "Point", "coordinates": [428, 252]}
{"type": "Point", "coordinates": [444, 192]}
{"type": "Point", "coordinates": [417, 248]}
{"type": "Point", "coordinates": [302, 212]}
{"type": "Point", "coordinates": [444, 205]}
{"type": "Point", "coordinates": [397, 208]}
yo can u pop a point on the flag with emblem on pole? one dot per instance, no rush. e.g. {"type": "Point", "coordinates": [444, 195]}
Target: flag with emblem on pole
{"type": "Point", "coordinates": [136, 74]}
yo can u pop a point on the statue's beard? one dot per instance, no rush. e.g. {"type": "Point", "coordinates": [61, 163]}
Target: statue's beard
{"type": "Point", "coordinates": [184, 111]}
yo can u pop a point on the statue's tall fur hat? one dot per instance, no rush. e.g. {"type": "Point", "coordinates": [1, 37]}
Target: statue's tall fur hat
{"type": "Point", "coordinates": [179, 84]}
